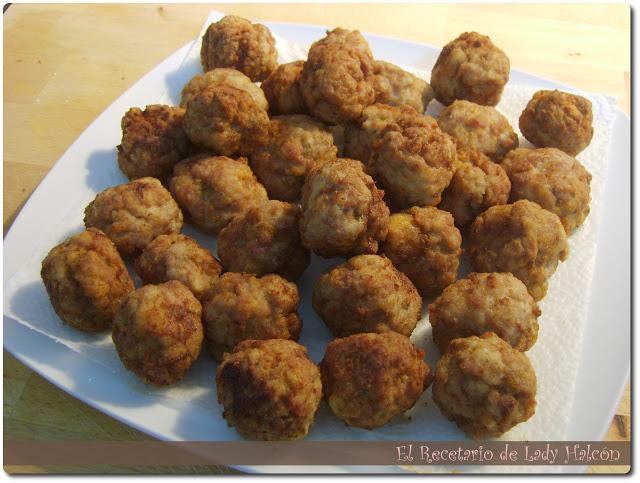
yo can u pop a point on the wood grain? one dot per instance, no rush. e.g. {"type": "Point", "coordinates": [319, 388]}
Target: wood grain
{"type": "Point", "coordinates": [64, 64]}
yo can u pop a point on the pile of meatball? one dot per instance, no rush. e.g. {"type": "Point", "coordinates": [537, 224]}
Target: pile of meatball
{"type": "Point", "coordinates": [333, 155]}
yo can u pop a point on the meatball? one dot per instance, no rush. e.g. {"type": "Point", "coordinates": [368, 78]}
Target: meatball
{"type": "Point", "coordinates": [470, 67]}
{"type": "Point", "coordinates": [269, 389]}
{"type": "Point", "coordinates": [214, 189]}
{"type": "Point", "coordinates": [477, 184]}
{"type": "Point", "coordinates": [484, 385]}
{"type": "Point", "coordinates": [282, 89]}
{"type": "Point", "coordinates": [236, 42]}
{"type": "Point", "coordinates": [158, 332]}
{"type": "Point", "coordinates": [485, 302]}
{"type": "Point", "coordinates": [86, 280]}
{"type": "Point", "coordinates": [424, 244]}
{"type": "Point", "coordinates": [240, 306]}
{"type": "Point", "coordinates": [556, 119]}
{"type": "Point", "coordinates": [343, 213]}
{"type": "Point", "coordinates": [414, 161]}
{"type": "Point", "coordinates": [368, 379]}
{"type": "Point", "coordinates": [152, 141]}
{"type": "Point", "coordinates": [296, 144]}
{"type": "Point", "coordinates": [397, 87]}
{"type": "Point", "coordinates": [367, 294]}
{"type": "Point", "coordinates": [133, 214]}
{"type": "Point", "coordinates": [264, 239]}
{"type": "Point", "coordinates": [178, 257]}
{"type": "Point", "coordinates": [225, 77]}
{"type": "Point", "coordinates": [521, 238]}
{"type": "Point", "coordinates": [553, 179]}
{"type": "Point", "coordinates": [478, 127]}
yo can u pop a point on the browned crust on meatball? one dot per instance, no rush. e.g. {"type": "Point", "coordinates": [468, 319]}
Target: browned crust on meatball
{"type": "Point", "coordinates": [485, 386]}
{"type": "Point", "coordinates": [265, 239]}
{"type": "Point", "coordinates": [158, 332]}
{"type": "Point", "coordinates": [133, 214]}
{"type": "Point", "coordinates": [222, 76]}
{"type": "Point", "coordinates": [282, 89]}
{"type": "Point", "coordinates": [424, 244]}
{"type": "Point", "coordinates": [367, 294]}
{"type": "Point", "coordinates": [485, 302]}
{"type": "Point", "coordinates": [368, 379]}
{"type": "Point", "coordinates": [270, 390]}
{"type": "Point", "coordinates": [397, 87]}
{"type": "Point", "coordinates": [470, 67]}
{"type": "Point", "coordinates": [558, 119]}
{"type": "Point", "coordinates": [86, 280]}
{"type": "Point", "coordinates": [236, 42]}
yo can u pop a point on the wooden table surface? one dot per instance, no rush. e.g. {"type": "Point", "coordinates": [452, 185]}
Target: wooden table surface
{"type": "Point", "coordinates": [64, 64]}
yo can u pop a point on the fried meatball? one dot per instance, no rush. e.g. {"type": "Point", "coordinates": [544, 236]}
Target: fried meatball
{"type": "Point", "coordinates": [269, 389]}
{"type": "Point", "coordinates": [226, 120]}
{"type": "Point", "coordinates": [225, 77]}
{"type": "Point", "coordinates": [485, 302]}
{"type": "Point", "coordinates": [133, 214]}
{"type": "Point", "coordinates": [424, 244]}
{"type": "Point", "coordinates": [470, 67]}
{"type": "Point", "coordinates": [477, 184]}
{"type": "Point", "coordinates": [478, 127]}
{"type": "Point", "coordinates": [158, 332]}
{"type": "Point", "coordinates": [368, 379]}
{"type": "Point", "coordinates": [484, 385]}
{"type": "Point", "coordinates": [240, 306]}
{"type": "Point", "coordinates": [178, 257]}
{"type": "Point", "coordinates": [296, 144]}
{"type": "Point", "coordinates": [397, 87]}
{"type": "Point", "coordinates": [553, 179]}
{"type": "Point", "coordinates": [343, 213]}
{"type": "Point", "coordinates": [337, 79]}
{"type": "Point", "coordinates": [555, 119]}
{"type": "Point", "coordinates": [264, 239]}
{"type": "Point", "coordinates": [282, 89]}
{"type": "Point", "coordinates": [521, 238]}
{"type": "Point", "coordinates": [152, 141]}
{"type": "Point", "coordinates": [86, 280]}
{"type": "Point", "coordinates": [214, 189]}
{"type": "Point", "coordinates": [236, 42]}
{"type": "Point", "coordinates": [367, 294]}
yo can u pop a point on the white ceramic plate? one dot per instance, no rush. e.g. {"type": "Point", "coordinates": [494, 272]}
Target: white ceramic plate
{"type": "Point", "coordinates": [89, 166]}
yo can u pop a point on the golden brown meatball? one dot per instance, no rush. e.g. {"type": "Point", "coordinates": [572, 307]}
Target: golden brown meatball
{"type": "Point", "coordinates": [414, 161]}
{"type": "Point", "coordinates": [424, 244]}
{"type": "Point", "coordinates": [478, 127]}
{"type": "Point", "coordinates": [368, 379]}
{"type": "Point", "coordinates": [226, 120]}
{"type": "Point", "coordinates": [296, 144]}
{"type": "Point", "coordinates": [282, 89]}
{"type": "Point", "coordinates": [152, 141]}
{"type": "Point", "coordinates": [485, 302]}
{"type": "Point", "coordinates": [158, 332]}
{"type": "Point", "coordinates": [222, 76]}
{"type": "Point", "coordinates": [367, 294]}
{"type": "Point", "coordinates": [521, 238]}
{"type": "Point", "coordinates": [397, 87]}
{"type": "Point", "coordinates": [553, 179]}
{"type": "Point", "coordinates": [343, 212]}
{"type": "Point", "coordinates": [236, 42]}
{"type": "Point", "coordinates": [264, 239]}
{"type": "Point", "coordinates": [556, 119]}
{"type": "Point", "coordinates": [470, 67]}
{"type": "Point", "coordinates": [485, 386]}
{"type": "Point", "coordinates": [178, 257]}
{"type": "Point", "coordinates": [133, 214]}
{"type": "Point", "coordinates": [477, 184]}
{"type": "Point", "coordinates": [270, 390]}
{"type": "Point", "coordinates": [240, 306]}
{"type": "Point", "coordinates": [86, 280]}
{"type": "Point", "coordinates": [214, 189]}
